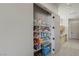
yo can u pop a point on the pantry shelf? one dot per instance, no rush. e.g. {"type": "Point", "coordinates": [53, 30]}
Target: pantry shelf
{"type": "Point", "coordinates": [41, 32]}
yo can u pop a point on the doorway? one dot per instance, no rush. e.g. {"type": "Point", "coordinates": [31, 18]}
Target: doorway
{"type": "Point", "coordinates": [73, 29]}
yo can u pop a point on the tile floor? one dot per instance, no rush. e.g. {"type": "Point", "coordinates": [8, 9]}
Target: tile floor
{"type": "Point", "coordinates": [70, 48]}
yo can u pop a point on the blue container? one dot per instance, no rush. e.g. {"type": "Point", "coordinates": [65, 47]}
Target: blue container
{"type": "Point", "coordinates": [45, 50]}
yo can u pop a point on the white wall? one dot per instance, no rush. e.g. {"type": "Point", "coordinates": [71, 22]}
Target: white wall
{"type": "Point", "coordinates": [63, 13]}
{"type": "Point", "coordinates": [16, 29]}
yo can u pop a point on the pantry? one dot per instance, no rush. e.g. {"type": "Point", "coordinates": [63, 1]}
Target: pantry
{"type": "Point", "coordinates": [45, 31]}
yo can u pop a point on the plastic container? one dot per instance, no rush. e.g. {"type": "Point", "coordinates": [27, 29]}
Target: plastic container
{"type": "Point", "coordinates": [45, 50]}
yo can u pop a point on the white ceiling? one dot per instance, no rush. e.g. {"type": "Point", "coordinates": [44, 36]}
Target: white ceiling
{"type": "Point", "coordinates": [69, 9]}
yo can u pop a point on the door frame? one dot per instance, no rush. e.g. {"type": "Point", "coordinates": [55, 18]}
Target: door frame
{"type": "Point", "coordinates": [69, 29]}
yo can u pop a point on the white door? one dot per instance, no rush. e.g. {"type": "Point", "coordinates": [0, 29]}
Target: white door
{"type": "Point", "coordinates": [55, 31]}
{"type": "Point", "coordinates": [74, 32]}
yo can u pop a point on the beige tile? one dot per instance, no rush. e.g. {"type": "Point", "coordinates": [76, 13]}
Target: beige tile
{"type": "Point", "coordinates": [70, 48]}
